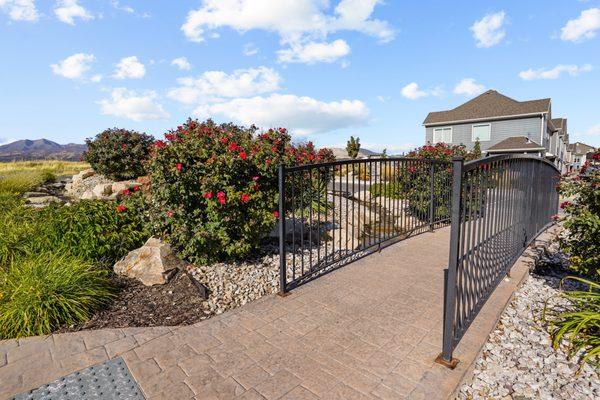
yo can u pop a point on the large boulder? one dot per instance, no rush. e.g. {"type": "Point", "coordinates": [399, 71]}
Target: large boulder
{"type": "Point", "coordinates": [152, 264]}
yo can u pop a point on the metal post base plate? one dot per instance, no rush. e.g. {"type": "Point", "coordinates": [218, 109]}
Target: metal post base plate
{"type": "Point", "coordinates": [448, 364]}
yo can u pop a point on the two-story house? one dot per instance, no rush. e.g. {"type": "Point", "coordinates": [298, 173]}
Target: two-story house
{"type": "Point", "coordinates": [578, 152]}
{"type": "Point", "coordinates": [502, 125]}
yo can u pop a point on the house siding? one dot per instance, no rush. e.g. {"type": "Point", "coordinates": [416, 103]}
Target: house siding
{"type": "Point", "coordinates": [500, 130]}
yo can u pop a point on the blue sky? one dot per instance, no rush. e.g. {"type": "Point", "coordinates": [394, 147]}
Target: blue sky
{"type": "Point", "coordinates": [325, 69]}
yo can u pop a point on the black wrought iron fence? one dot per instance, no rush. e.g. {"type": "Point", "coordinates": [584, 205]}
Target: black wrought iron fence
{"type": "Point", "coordinates": [499, 205]}
{"type": "Point", "coordinates": [333, 213]}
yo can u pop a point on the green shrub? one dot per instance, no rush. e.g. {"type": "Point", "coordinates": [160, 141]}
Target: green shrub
{"type": "Point", "coordinates": [94, 230]}
{"type": "Point", "coordinates": [214, 187]}
{"type": "Point", "coordinates": [582, 222]}
{"type": "Point", "coordinates": [393, 190]}
{"type": "Point", "coordinates": [580, 323]}
{"type": "Point", "coordinates": [41, 293]}
{"type": "Point", "coordinates": [119, 154]}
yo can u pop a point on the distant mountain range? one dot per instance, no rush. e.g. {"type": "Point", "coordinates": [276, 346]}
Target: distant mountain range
{"type": "Point", "coordinates": [341, 154]}
{"type": "Point", "coordinates": [41, 149]}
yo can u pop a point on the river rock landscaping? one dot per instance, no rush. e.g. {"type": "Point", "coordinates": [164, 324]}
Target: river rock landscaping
{"type": "Point", "coordinates": [518, 360]}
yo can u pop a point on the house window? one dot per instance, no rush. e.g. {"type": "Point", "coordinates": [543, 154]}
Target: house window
{"type": "Point", "coordinates": [483, 132]}
{"type": "Point", "coordinates": [442, 135]}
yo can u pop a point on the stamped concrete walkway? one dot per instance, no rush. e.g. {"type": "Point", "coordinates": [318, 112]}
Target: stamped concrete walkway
{"type": "Point", "coordinates": [370, 330]}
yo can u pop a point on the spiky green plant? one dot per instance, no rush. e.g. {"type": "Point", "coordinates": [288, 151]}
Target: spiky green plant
{"type": "Point", "coordinates": [579, 324]}
{"type": "Point", "coordinates": [40, 293]}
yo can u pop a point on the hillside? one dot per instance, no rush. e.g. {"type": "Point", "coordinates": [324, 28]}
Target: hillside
{"type": "Point", "coordinates": [41, 149]}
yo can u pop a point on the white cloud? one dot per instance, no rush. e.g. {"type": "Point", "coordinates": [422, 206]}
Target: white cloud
{"type": "Point", "coordinates": [136, 106]}
{"type": "Point", "coordinates": [68, 10]}
{"type": "Point", "coordinates": [488, 30]}
{"type": "Point", "coordinates": [314, 52]}
{"type": "Point", "coordinates": [130, 67]}
{"type": "Point", "coordinates": [583, 27]}
{"type": "Point", "coordinates": [75, 66]}
{"type": "Point", "coordinates": [469, 87]}
{"type": "Point", "coordinates": [412, 91]}
{"type": "Point", "coordinates": [592, 131]}
{"type": "Point", "coordinates": [213, 85]}
{"type": "Point", "coordinates": [182, 63]}
{"type": "Point", "coordinates": [554, 73]}
{"type": "Point", "coordinates": [250, 49]}
{"type": "Point", "coordinates": [117, 6]}
{"type": "Point", "coordinates": [303, 115]}
{"type": "Point", "coordinates": [294, 20]}
{"type": "Point", "coordinates": [4, 141]}
{"type": "Point", "coordinates": [20, 10]}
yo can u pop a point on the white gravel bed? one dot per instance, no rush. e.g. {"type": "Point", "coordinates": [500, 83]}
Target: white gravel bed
{"type": "Point", "coordinates": [518, 361]}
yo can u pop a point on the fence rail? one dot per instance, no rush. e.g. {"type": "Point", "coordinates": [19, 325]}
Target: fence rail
{"type": "Point", "coordinates": [499, 205]}
{"type": "Point", "coordinates": [333, 213]}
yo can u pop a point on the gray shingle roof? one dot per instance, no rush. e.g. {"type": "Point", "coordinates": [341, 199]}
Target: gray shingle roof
{"type": "Point", "coordinates": [488, 105]}
{"type": "Point", "coordinates": [515, 143]}
{"type": "Point", "coordinates": [580, 148]}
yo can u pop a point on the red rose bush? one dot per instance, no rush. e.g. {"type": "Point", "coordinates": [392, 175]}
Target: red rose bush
{"type": "Point", "coordinates": [214, 187]}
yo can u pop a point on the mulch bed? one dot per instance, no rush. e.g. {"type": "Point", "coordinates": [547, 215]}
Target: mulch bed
{"type": "Point", "coordinates": [178, 302]}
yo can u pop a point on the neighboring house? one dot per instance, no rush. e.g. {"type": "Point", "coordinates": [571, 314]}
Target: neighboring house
{"type": "Point", "coordinates": [502, 125]}
{"type": "Point", "coordinates": [578, 152]}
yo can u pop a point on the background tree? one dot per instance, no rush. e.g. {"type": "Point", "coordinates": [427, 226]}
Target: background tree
{"type": "Point", "coordinates": [353, 147]}
{"type": "Point", "coordinates": [476, 152]}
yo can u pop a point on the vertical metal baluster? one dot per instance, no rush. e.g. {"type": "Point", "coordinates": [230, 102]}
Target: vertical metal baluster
{"type": "Point", "coordinates": [282, 260]}
{"type": "Point", "coordinates": [450, 299]}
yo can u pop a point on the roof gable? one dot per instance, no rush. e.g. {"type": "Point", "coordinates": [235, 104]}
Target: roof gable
{"type": "Point", "coordinates": [488, 105]}
{"type": "Point", "coordinates": [515, 143]}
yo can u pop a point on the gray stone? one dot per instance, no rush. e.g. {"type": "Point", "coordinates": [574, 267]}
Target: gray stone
{"type": "Point", "coordinates": [152, 264]}
{"type": "Point", "coordinates": [102, 190]}
{"type": "Point", "coordinates": [43, 200]}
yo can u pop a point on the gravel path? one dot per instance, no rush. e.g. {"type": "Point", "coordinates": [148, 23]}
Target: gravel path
{"type": "Point", "coordinates": [518, 361]}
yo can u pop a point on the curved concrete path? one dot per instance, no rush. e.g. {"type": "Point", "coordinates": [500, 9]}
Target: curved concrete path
{"type": "Point", "coordinates": [370, 330]}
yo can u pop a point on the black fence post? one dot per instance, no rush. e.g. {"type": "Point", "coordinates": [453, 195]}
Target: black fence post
{"type": "Point", "coordinates": [445, 358]}
{"type": "Point", "coordinates": [431, 197]}
{"type": "Point", "coordinates": [281, 222]}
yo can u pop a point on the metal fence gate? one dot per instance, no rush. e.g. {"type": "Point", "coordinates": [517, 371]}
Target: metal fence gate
{"type": "Point", "coordinates": [333, 213]}
{"type": "Point", "coordinates": [499, 205]}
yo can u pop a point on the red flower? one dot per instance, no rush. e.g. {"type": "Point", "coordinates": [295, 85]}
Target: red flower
{"type": "Point", "coordinates": [565, 204]}
{"type": "Point", "coordinates": [274, 149]}
{"type": "Point", "coordinates": [121, 208]}
{"type": "Point", "coordinates": [276, 214]}
{"type": "Point", "coordinates": [126, 192]}
{"type": "Point", "coordinates": [255, 178]}
{"type": "Point", "coordinates": [221, 197]}
{"type": "Point", "coordinates": [169, 136]}
{"type": "Point", "coordinates": [169, 214]}
{"type": "Point", "coordinates": [179, 166]}
{"type": "Point", "coordinates": [233, 146]}
{"type": "Point", "coordinates": [243, 155]}
{"type": "Point", "coordinates": [555, 217]}
{"type": "Point", "coordinates": [224, 140]}
{"type": "Point", "coordinates": [282, 130]}
{"type": "Point", "coordinates": [208, 195]}
{"type": "Point", "coordinates": [159, 144]}
{"type": "Point", "coordinates": [245, 198]}
{"type": "Point", "coordinates": [412, 170]}
{"type": "Point", "coordinates": [136, 188]}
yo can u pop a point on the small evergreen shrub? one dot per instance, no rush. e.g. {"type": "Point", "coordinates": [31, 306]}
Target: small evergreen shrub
{"type": "Point", "coordinates": [40, 293]}
{"type": "Point", "coordinates": [214, 187]}
{"type": "Point", "coordinates": [119, 154]}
